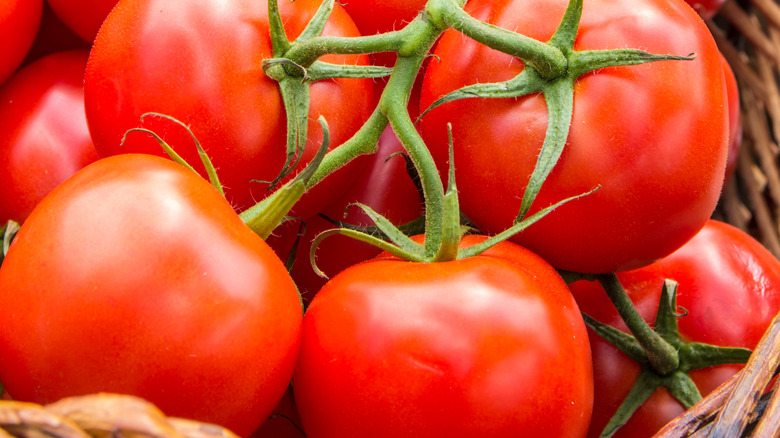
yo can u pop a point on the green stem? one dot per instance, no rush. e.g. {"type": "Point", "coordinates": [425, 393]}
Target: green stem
{"type": "Point", "coordinates": [393, 104]}
{"type": "Point", "coordinates": [662, 356]}
{"type": "Point", "coordinates": [308, 51]}
{"type": "Point", "coordinates": [361, 143]}
{"type": "Point", "coordinates": [549, 61]}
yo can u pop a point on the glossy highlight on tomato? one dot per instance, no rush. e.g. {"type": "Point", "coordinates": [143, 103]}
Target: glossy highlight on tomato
{"type": "Point", "coordinates": [45, 136]}
{"type": "Point", "coordinates": [491, 345]}
{"type": "Point", "coordinates": [653, 137]}
{"type": "Point", "coordinates": [135, 276]}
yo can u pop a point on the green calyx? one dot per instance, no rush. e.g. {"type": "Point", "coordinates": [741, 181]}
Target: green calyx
{"type": "Point", "coordinates": [688, 356]}
{"type": "Point", "coordinates": [269, 213]}
{"type": "Point", "coordinates": [551, 68]}
{"type": "Point", "coordinates": [294, 77]}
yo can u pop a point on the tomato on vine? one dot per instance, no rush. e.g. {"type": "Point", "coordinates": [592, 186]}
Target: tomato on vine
{"type": "Point", "coordinates": [491, 345]}
{"type": "Point", "coordinates": [728, 292]}
{"type": "Point", "coordinates": [652, 136]}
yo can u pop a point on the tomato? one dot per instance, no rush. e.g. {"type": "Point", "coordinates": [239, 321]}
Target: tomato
{"type": "Point", "coordinates": [19, 21]}
{"type": "Point", "coordinates": [729, 286]}
{"type": "Point", "coordinates": [200, 62]}
{"type": "Point", "coordinates": [735, 119]}
{"type": "Point", "coordinates": [492, 345]}
{"type": "Point", "coordinates": [652, 136]}
{"type": "Point", "coordinates": [84, 17]}
{"type": "Point", "coordinates": [45, 136]}
{"type": "Point", "coordinates": [135, 276]}
{"type": "Point", "coordinates": [384, 185]}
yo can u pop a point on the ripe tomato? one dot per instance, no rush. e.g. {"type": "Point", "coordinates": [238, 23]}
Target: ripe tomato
{"type": "Point", "coordinates": [84, 17]}
{"type": "Point", "coordinates": [492, 345]}
{"type": "Point", "coordinates": [19, 21]}
{"type": "Point", "coordinates": [200, 62]}
{"type": "Point", "coordinates": [653, 136]}
{"type": "Point", "coordinates": [135, 276]}
{"type": "Point", "coordinates": [729, 286]}
{"type": "Point", "coordinates": [45, 136]}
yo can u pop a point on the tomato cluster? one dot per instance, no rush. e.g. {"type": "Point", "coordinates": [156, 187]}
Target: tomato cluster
{"type": "Point", "coordinates": [462, 170]}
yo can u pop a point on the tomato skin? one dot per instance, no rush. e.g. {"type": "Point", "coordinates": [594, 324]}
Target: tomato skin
{"type": "Point", "coordinates": [200, 62]}
{"type": "Point", "coordinates": [45, 138]}
{"type": "Point", "coordinates": [135, 276]}
{"type": "Point", "coordinates": [652, 136]}
{"type": "Point", "coordinates": [729, 284]}
{"type": "Point", "coordinates": [19, 21]}
{"type": "Point", "coordinates": [84, 17]}
{"type": "Point", "coordinates": [492, 345]}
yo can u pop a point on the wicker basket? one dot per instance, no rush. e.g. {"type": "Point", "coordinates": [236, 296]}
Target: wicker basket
{"type": "Point", "coordinates": [748, 34]}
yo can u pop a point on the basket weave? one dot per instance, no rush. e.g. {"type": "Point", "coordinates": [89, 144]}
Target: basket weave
{"type": "Point", "coordinates": [748, 35]}
{"type": "Point", "coordinates": [101, 416]}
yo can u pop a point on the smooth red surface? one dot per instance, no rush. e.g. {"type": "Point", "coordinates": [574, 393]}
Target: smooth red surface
{"type": "Point", "coordinates": [19, 21]}
{"type": "Point", "coordinates": [135, 276]}
{"type": "Point", "coordinates": [492, 345]}
{"type": "Point", "coordinates": [45, 136]}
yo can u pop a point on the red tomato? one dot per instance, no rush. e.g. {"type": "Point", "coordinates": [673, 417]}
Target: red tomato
{"type": "Point", "coordinates": [730, 287]}
{"type": "Point", "coordinates": [135, 276]}
{"type": "Point", "coordinates": [489, 346]}
{"type": "Point", "coordinates": [384, 185]}
{"type": "Point", "coordinates": [19, 21]}
{"type": "Point", "coordinates": [83, 16]}
{"type": "Point", "coordinates": [735, 119]}
{"type": "Point", "coordinates": [45, 136]}
{"type": "Point", "coordinates": [653, 136]}
{"type": "Point", "coordinates": [200, 62]}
